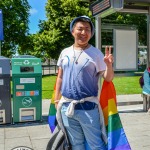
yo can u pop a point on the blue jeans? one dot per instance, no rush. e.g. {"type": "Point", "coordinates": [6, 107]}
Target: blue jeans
{"type": "Point", "coordinates": [83, 126]}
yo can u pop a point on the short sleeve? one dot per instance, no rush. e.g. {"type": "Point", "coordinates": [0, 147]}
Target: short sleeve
{"type": "Point", "coordinates": [100, 64]}
{"type": "Point", "coordinates": [59, 62]}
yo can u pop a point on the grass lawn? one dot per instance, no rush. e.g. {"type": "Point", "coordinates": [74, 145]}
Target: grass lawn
{"type": "Point", "coordinates": [48, 83]}
{"type": "Point", "coordinates": [123, 85]}
{"type": "Point", "coordinates": [127, 85]}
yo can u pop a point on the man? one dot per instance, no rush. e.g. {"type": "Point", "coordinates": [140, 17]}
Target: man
{"type": "Point", "coordinates": [80, 66]}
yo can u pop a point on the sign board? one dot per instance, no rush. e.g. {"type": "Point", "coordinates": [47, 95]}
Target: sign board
{"type": "Point", "coordinates": [104, 8]}
{"type": "Point", "coordinates": [27, 80]}
{"type": "Point", "coordinates": [125, 49]}
{"type": "Point", "coordinates": [1, 26]}
{"type": "Point", "coordinates": [100, 6]}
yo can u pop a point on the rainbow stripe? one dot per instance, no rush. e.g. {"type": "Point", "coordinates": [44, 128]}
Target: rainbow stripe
{"type": "Point", "coordinates": [117, 139]}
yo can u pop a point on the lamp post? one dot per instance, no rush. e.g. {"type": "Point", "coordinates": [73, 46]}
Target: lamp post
{"type": "Point", "coordinates": [1, 29]}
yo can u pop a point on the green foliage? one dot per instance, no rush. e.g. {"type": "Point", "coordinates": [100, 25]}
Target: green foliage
{"type": "Point", "coordinates": [54, 32]}
{"type": "Point", "coordinates": [15, 18]}
{"type": "Point", "coordinates": [127, 85]}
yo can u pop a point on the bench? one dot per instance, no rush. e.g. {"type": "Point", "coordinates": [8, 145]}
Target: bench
{"type": "Point", "coordinates": [146, 101]}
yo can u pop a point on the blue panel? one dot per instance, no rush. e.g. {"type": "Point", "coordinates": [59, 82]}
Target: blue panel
{"type": "Point", "coordinates": [1, 26]}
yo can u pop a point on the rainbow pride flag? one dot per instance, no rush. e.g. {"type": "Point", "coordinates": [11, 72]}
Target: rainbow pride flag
{"type": "Point", "coordinates": [117, 139]}
{"type": "Point", "coordinates": [52, 112]}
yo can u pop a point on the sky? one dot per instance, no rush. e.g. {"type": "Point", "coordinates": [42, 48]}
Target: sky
{"type": "Point", "coordinates": [37, 12]}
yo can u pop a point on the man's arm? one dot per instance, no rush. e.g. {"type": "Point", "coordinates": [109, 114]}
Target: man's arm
{"type": "Point", "coordinates": [58, 85]}
{"type": "Point", "coordinates": [108, 74]}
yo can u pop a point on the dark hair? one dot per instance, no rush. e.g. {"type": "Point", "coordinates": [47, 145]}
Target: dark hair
{"type": "Point", "coordinates": [82, 20]}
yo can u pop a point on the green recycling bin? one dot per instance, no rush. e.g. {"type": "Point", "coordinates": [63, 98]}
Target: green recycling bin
{"type": "Point", "coordinates": [27, 88]}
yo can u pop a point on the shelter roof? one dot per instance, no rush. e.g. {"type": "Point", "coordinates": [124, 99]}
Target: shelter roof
{"type": "Point", "coordinates": [136, 6]}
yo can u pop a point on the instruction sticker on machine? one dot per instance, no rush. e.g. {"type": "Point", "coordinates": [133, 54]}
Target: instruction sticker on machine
{"type": "Point", "coordinates": [27, 93]}
{"type": "Point", "coordinates": [27, 80]}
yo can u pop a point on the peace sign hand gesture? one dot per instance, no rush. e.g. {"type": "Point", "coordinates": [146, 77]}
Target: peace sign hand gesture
{"type": "Point", "coordinates": [108, 58]}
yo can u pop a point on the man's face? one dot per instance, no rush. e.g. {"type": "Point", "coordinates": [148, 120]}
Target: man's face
{"type": "Point", "coordinates": [82, 32]}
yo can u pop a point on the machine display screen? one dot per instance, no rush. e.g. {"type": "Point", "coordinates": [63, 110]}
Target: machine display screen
{"type": "Point", "coordinates": [26, 69]}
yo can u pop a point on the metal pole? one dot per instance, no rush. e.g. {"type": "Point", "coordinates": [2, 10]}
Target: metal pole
{"type": "Point", "coordinates": [98, 42]}
{"type": "Point", "coordinates": [148, 37]}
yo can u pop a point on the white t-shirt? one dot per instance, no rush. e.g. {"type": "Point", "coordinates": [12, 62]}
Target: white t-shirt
{"type": "Point", "coordinates": [80, 80]}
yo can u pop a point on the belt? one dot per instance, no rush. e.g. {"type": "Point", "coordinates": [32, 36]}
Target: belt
{"type": "Point", "coordinates": [83, 106]}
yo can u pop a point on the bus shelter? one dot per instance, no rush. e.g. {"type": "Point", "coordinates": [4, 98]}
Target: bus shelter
{"type": "Point", "coordinates": [103, 8]}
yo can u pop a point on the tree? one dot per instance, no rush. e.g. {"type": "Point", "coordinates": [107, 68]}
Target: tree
{"type": "Point", "coordinates": [15, 20]}
{"type": "Point", "coordinates": [54, 33]}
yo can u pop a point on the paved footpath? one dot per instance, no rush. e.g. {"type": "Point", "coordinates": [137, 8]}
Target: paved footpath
{"type": "Point", "coordinates": [36, 135]}
{"type": "Point", "coordinates": [136, 123]}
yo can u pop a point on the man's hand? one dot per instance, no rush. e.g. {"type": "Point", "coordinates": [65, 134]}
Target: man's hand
{"type": "Point", "coordinates": [56, 105]}
{"type": "Point", "coordinates": [108, 58]}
